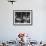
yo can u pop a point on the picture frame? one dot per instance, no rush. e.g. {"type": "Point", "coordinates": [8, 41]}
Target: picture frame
{"type": "Point", "coordinates": [22, 17]}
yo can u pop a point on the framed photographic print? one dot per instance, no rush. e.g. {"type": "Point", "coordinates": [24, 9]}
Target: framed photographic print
{"type": "Point", "coordinates": [22, 17]}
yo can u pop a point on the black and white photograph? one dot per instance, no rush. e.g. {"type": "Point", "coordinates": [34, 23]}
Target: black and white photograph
{"type": "Point", "coordinates": [22, 16]}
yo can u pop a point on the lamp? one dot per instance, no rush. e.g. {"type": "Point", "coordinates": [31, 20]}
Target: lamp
{"type": "Point", "coordinates": [12, 1]}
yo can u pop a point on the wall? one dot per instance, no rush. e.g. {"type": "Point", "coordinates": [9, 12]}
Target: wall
{"type": "Point", "coordinates": [38, 30]}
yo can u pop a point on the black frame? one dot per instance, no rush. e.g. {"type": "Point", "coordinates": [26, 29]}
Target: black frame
{"type": "Point", "coordinates": [23, 11]}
